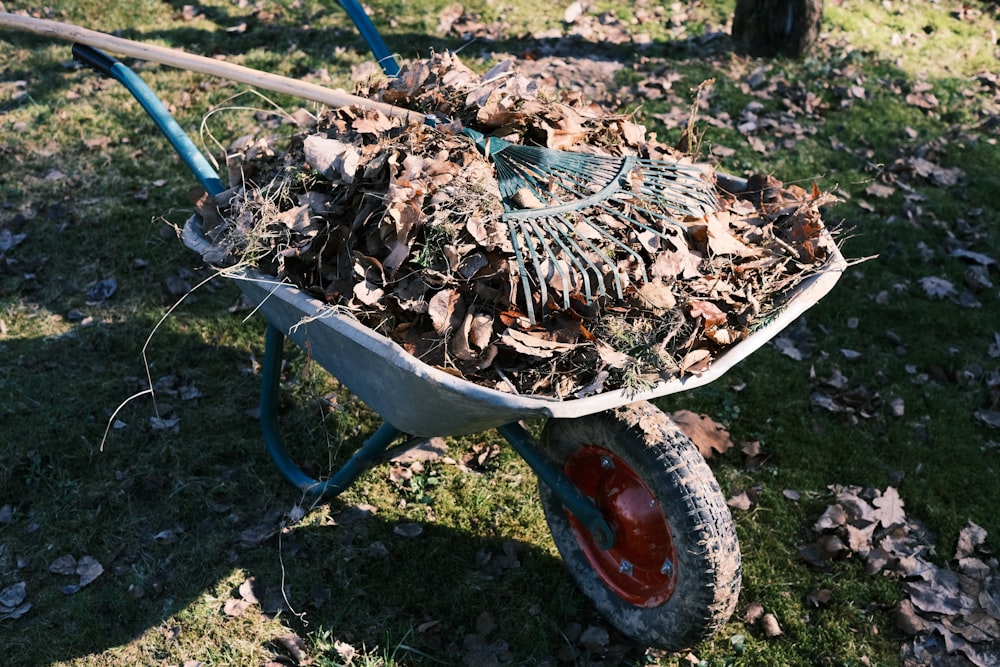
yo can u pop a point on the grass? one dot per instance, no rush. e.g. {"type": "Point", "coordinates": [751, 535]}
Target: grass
{"type": "Point", "coordinates": [172, 514]}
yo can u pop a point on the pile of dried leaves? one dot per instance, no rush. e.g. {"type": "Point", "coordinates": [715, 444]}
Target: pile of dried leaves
{"type": "Point", "coordinates": [952, 616]}
{"type": "Point", "coordinates": [400, 225]}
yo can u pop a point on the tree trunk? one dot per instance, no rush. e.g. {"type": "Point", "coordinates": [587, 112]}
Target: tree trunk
{"type": "Point", "coordinates": [768, 28]}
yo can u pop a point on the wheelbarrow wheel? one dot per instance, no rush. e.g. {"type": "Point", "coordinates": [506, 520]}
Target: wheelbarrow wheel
{"type": "Point", "coordinates": [672, 577]}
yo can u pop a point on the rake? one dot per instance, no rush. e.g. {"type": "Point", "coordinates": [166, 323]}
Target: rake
{"type": "Point", "coordinates": [556, 202]}
{"type": "Point", "coordinates": [562, 199]}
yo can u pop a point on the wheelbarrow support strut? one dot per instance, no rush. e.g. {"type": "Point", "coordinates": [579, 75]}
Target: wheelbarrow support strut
{"type": "Point", "coordinates": [378, 448]}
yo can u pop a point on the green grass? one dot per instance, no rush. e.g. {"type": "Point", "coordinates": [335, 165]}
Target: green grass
{"type": "Point", "coordinates": [165, 511]}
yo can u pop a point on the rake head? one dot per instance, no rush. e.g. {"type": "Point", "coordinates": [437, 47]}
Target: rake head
{"type": "Point", "coordinates": [560, 206]}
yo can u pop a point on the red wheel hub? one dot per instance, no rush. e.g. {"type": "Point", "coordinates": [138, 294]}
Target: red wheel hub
{"type": "Point", "coordinates": [641, 566]}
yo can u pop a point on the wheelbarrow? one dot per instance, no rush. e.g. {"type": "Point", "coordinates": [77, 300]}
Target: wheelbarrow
{"type": "Point", "coordinates": [633, 508]}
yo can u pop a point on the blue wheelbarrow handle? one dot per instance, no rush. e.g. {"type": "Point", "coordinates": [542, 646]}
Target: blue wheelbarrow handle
{"type": "Point", "coordinates": [189, 153]}
{"type": "Point", "coordinates": [370, 34]}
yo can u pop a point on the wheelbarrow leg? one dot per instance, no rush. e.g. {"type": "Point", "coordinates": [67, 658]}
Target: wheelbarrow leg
{"type": "Point", "coordinates": [564, 489]}
{"type": "Point", "coordinates": [376, 449]}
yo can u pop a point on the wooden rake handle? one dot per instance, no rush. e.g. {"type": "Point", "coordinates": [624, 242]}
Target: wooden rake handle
{"type": "Point", "coordinates": [187, 61]}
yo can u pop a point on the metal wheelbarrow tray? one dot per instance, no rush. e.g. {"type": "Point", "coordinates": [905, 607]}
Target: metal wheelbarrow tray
{"type": "Point", "coordinates": [390, 380]}
{"type": "Point", "coordinates": [634, 509]}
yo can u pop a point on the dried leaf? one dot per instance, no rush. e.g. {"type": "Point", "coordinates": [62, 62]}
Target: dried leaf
{"type": "Point", "coordinates": [695, 361]}
{"type": "Point", "coordinates": [938, 288]}
{"type": "Point", "coordinates": [332, 158]}
{"type": "Point", "coordinates": [740, 501]}
{"type": "Point", "coordinates": [708, 435]}
{"type": "Point", "coordinates": [12, 601]}
{"type": "Point", "coordinates": [296, 648]}
{"type": "Point", "coordinates": [708, 312]}
{"type": "Point", "coordinates": [890, 507]}
{"type": "Point", "coordinates": [236, 608]}
{"type": "Point", "coordinates": [89, 569]}
{"type": "Point", "coordinates": [907, 619]}
{"type": "Point", "coordinates": [769, 625]}
{"type": "Point", "coordinates": [820, 598]}
{"type": "Point", "coordinates": [989, 418]}
{"type": "Point", "coordinates": [611, 357]}
{"type": "Point", "coordinates": [442, 309]}
{"type": "Point", "coordinates": [753, 613]}
{"type": "Point", "coordinates": [657, 295]}
{"type": "Point", "coordinates": [63, 565]}
{"type": "Point", "coordinates": [13, 596]}
{"type": "Point", "coordinates": [408, 529]}
{"type": "Point", "coordinates": [534, 346]}
{"type": "Point", "coordinates": [970, 537]}
{"type": "Point", "coordinates": [595, 639]}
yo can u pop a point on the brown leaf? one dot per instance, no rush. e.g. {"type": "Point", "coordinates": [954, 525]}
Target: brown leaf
{"type": "Point", "coordinates": [236, 608]}
{"type": "Point", "coordinates": [753, 613]}
{"type": "Point", "coordinates": [722, 241]}
{"type": "Point", "coordinates": [88, 569]}
{"type": "Point", "coordinates": [709, 312]}
{"type": "Point", "coordinates": [296, 648]}
{"type": "Point", "coordinates": [880, 190]}
{"type": "Point", "coordinates": [969, 538]}
{"type": "Point", "coordinates": [657, 295]}
{"type": "Point", "coordinates": [907, 619]}
{"type": "Point", "coordinates": [740, 501]}
{"type": "Point", "coordinates": [63, 565]}
{"type": "Point", "coordinates": [890, 507]}
{"type": "Point", "coordinates": [819, 598]}
{"type": "Point", "coordinates": [442, 308]}
{"type": "Point", "coordinates": [938, 597]}
{"type": "Point", "coordinates": [481, 331]}
{"type": "Point", "coordinates": [534, 346]}
{"type": "Point", "coordinates": [408, 529]}
{"type": "Point", "coordinates": [833, 517]}
{"type": "Point", "coordinates": [247, 592]}
{"type": "Point", "coordinates": [769, 624]}
{"type": "Point", "coordinates": [428, 450]}
{"type": "Point", "coordinates": [709, 435]}
{"type": "Point", "coordinates": [611, 357]}
{"type": "Point", "coordinates": [695, 361]}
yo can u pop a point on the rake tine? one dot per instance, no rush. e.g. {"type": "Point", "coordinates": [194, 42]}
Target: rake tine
{"type": "Point", "coordinates": [659, 216]}
{"type": "Point", "coordinates": [542, 239]}
{"type": "Point", "coordinates": [634, 222]}
{"type": "Point", "coordinates": [522, 270]}
{"type": "Point", "coordinates": [542, 285]}
{"type": "Point", "coordinates": [624, 246]}
{"type": "Point", "coordinates": [574, 256]}
{"type": "Point", "coordinates": [686, 206]}
{"type": "Point", "coordinates": [657, 185]}
{"type": "Point", "coordinates": [569, 231]}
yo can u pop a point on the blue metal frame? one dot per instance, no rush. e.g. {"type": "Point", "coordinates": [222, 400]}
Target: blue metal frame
{"type": "Point", "coordinates": [370, 34]}
{"type": "Point", "coordinates": [379, 447]}
{"type": "Point", "coordinates": [189, 153]}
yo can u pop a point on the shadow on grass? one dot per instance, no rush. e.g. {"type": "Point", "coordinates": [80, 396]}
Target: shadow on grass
{"type": "Point", "coordinates": [180, 517]}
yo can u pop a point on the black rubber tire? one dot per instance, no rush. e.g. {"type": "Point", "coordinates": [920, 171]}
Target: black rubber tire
{"type": "Point", "coordinates": [707, 573]}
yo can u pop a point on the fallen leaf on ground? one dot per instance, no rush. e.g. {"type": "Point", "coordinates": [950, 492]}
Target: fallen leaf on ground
{"type": "Point", "coordinates": [707, 434]}
{"type": "Point", "coordinates": [957, 611]}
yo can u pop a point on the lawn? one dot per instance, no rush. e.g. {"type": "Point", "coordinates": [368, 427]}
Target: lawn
{"type": "Point", "coordinates": [159, 532]}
